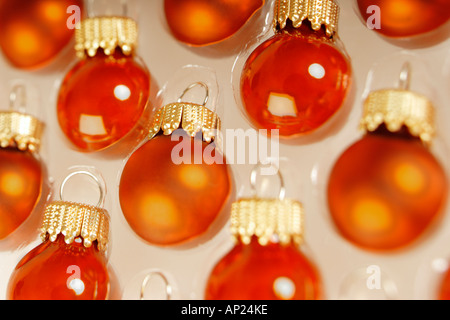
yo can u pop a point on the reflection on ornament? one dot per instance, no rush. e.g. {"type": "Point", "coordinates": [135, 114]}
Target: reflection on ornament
{"type": "Point", "coordinates": [406, 18]}
{"type": "Point", "coordinates": [298, 79]}
{"type": "Point", "coordinates": [21, 171]}
{"type": "Point", "coordinates": [203, 22]}
{"type": "Point", "coordinates": [266, 262]}
{"type": "Point", "coordinates": [33, 32]}
{"type": "Point", "coordinates": [175, 185]}
{"type": "Point", "coordinates": [387, 188]}
{"type": "Point", "coordinates": [71, 261]}
{"type": "Point", "coordinates": [103, 97]}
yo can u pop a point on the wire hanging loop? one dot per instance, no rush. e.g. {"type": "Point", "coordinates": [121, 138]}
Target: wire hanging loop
{"type": "Point", "coordinates": [205, 101]}
{"type": "Point", "coordinates": [254, 175]}
{"type": "Point", "coordinates": [405, 77]}
{"type": "Point", "coordinates": [18, 97]}
{"type": "Point", "coordinates": [146, 281]}
{"type": "Point", "coordinates": [124, 5]}
{"type": "Point", "coordinates": [89, 174]}
{"type": "Point", "coordinates": [111, 10]}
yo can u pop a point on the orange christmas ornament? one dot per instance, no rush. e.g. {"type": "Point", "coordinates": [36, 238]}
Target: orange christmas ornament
{"type": "Point", "coordinates": [266, 262]}
{"type": "Point", "coordinates": [22, 173]}
{"type": "Point", "coordinates": [35, 31]}
{"type": "Point", "coordinates": [104, 96]}
{"type": "Point", "coordinates": [299, 78]}
{"type": "Point", "coordinates": [444, 289]}
{"type": "Point", "coordinates": [387, 188]}
{"type": "Point", "coordinates": [405, 18]}
{"type": "Point", "coordinates": [185, 185]}
{"type": "Point", "coordinates": [71, 263]}
{"type": "Point", "coordinates": [202, 22]}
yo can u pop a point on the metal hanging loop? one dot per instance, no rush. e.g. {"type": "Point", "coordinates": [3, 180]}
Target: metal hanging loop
{"type": "Point", "coordinates": [254, 175]}
{"type": "Point", "coordinates": [195, 84]}
{"type": "Point", "coordinates": [91, 175]}
{"type": "Point", "coordinates": [405, 77]}
{"type": "Point", "coordinates": [18, 97]}
{"type": "Point", "coordinates": [147, 280]}
{"type": "Point", "coordinates": [92, 13]}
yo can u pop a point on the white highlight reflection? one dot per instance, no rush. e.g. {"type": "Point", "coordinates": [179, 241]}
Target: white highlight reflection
{"type": "Point", "coordinates": [284, 288]}
{"type": "Point", "coordinates": [77, 285]}
{"type": "Point", "coordinates": [122, 92]}
{"type": "Point", "coordinates": [282, 105]}
{"type": "Point", "coordinates": [92, 125]}
{"type": "Point", "coordinates": [316, 71]}
{"type": "Point", "coordinates": [439, 265]}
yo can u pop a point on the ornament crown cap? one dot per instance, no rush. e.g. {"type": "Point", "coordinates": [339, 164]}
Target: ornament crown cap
{"type": "Point", "coordinates": [107, 33]}
{"type": "Point", "coordinates": [17, 129]}
{"type": "Point", "coordinates": [318, 12]}
{"type": "Point", "coordinates": [191, 117]}
{"type": "Point", "coordinates": [396, 108]}
{"type": "Point", "coordinates": [73, 220]}
{"type": "Point", "coordinates": [267, 219]}
{"type": "Point", "coordinates": [76, 220]}
{"type": "Point", "coordinates": [21, 131]}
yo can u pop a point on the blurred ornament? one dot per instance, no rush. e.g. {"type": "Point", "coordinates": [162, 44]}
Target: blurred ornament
{"type": "Point", "coordinates": [299, 78]}
{"type": "Point", "coordinates": [204, 22]}
{"type": "Point", "coordinates": [71, 262]}
{"type": "Point", "coordinates": [33, 32]}
{"type": "Point", "coordinates": [22, 173]}
{"type": "Point", "coordinates": [405, 18]}
{"type": "Point", "coordinates": [387, 188]}
{"type": "Point", "coordinates": [267, 262]}
{"type": "Point", "coordinates": [106, 94]}
{"type": "Point", "coordinates": [171, 191]}
{"type": "Point", "coordinates": [444, 288]}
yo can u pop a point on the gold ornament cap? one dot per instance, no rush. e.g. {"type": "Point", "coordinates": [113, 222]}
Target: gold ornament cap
{"type": "Point", "coordinates": [74, 220]}
{"type": "Point", "coordinates": [107, 33]}
{"type": "Point", "coordinates": [320, 13]}
{"type": "Point", "coordinates": [21, 131]}
{"type": "Point", "coordinates": [396, 108]}
{"type": "Point", "coordinates": [192, 118]}
{"type": "Point", "coordinates": [18, 129]}
{"type": "Point", "coordinates": [266, 219]}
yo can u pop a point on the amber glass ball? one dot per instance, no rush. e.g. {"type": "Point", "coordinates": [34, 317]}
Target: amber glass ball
{"type": "Point", "coordinates": [101, 100]}
{"type": "Point", "coordinates": [270, 272]}
{"type": "Point", "coordinates": [60, 271]}
{"type": "Point", "coordinates": [444, 289]}
{"type": "Point", "coordinates": [204, 22]}
{"type": "Point", "coordinates": [407, 18]}
{"type": "Point", "coordinates": [33, 32]}
{"type": "Point", "coordinates": [385, 191]}
{"type": "Point", "coordinates": [21, 184]}
{"type": "Point", "coordinates": [294, 83]}
{"type": "Point", "coordinates": [167, 203]}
